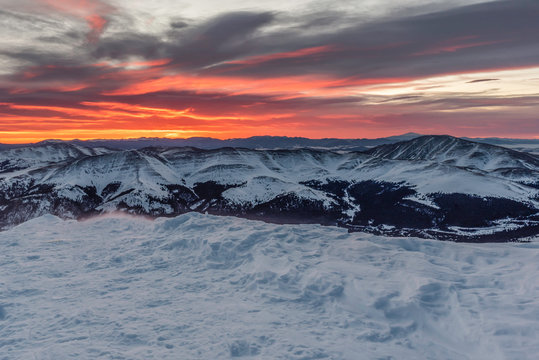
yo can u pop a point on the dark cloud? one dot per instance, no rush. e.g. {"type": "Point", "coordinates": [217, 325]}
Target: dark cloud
{"type": "Point", "coordinates": [71, 36]}
{"type": "Point", "coordinates": [491, 35]}
{"type": "Point", "coordinates": [323, 20]}
{"type": "Point", "coordinates": [179, 24]}
{"type": "Point", "coordinates": [13, 17]}
{"type": "Point", "coordinates": [484, 36]}
{"type": "Point", "coordinates": [405, 97]}
{"type": "Point", "coordinates": [29, 57]}
{"type": "Point", "coordinates": [458, 103]}
{"type": "Point", "coordinates": [481, 80]}
{"type": "Point", "coordinates": [123, 45]}
{"type": "Point", "coordinates": [219, 39]}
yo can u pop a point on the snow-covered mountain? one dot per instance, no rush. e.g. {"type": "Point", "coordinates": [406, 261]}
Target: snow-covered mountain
{"type": "Point", "coordinates": [277, 142]}
{"type": "Point", "coordinates": [457, 152]}
{"type": "Point", "coordinates": [44, 153]}
{"type": "Point", "coordinates": [254, 142]}
{"type": "Point", "coordinates": [525, 145]}
{"type": "Point", "coordinates": [431, 186]}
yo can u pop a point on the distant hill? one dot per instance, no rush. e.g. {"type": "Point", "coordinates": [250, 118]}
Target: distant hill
{"type": "Point", "coordinates": [275, 142]}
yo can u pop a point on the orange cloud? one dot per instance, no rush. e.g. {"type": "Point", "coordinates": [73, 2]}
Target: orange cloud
{"type": "Point", "coordinates": [455, 45]}
{"type": "Point", "coordinates": [285, 87]}
{"type": "Point", "coordinates": [97, 24]}
{"type": "Point", "coordinates": [283, 55]}
{"type": "Point", "coordinates": [113, 114]}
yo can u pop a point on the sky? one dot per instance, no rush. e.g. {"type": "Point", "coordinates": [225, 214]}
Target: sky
{"type": "Point", "coordinates": [91, 69]}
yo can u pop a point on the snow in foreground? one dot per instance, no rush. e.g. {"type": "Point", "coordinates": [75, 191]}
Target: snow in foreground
{"type": "Point", "coordinates": [204, 287]}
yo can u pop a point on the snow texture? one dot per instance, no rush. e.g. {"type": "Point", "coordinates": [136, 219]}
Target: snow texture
{"type": "Point", "coordinates": [205, 287]}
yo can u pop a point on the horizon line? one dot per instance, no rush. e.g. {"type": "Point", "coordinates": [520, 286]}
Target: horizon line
{"type": "Point", "coordinates": [257, 136]}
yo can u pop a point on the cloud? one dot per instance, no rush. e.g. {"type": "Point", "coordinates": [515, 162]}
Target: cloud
{"type": "Point", "coordinates": [94, 12]}
{"type": "Point", "coordinates": [481, 80]}
{"type": "Point", "coordinates": [469, 38]}
{"type": "Point", "coordinates": [265, 44]}
{"type": "Point", "coordinates": [179, 24]}
{"type": "Point", "coordinates": [266, 68]}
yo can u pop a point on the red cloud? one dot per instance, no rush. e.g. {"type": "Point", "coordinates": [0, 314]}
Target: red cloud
{"type": "Point", "coordinates": [94, 12]}
{"type": "Point", "coordinates": [283, 55]}
{"type": "Point", "coordinates": [456, 44]}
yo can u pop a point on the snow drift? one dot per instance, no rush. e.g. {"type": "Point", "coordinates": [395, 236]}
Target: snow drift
{"type": "Point", "coordinates": [202, 286]}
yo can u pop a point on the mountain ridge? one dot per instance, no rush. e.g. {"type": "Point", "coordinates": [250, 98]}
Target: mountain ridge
{"type": "Point", "coordinates": [373, 190]}
{"type": "Point", "coordinates": [430, 147]}
{"type": "Point", "coordinates": [270, 142]}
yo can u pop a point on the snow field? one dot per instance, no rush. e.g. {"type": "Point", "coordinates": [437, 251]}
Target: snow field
{"type": "Point", "coordinates": [206, 287]}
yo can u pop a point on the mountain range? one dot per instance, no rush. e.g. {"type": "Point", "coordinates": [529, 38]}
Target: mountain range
{"type": "Point", "coordinates": [433, 186]}
{"type": "Point", "coordinates": [254, 142]}
{"type": "Point", "coordinates": [276, 142]}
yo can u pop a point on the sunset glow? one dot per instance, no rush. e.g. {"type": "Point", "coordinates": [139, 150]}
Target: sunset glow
{"type": "Point", "coordinates": [95, 73]}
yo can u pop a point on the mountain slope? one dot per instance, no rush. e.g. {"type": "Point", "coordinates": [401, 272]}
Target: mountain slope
{"type": "Point", "coordinates": [453, 151]}
{"type": "Point", "coordinates": [488, 159]}
{"type": "Point", "coordinates": [432, 186]}
{"type": "Point", "coordinates": [42, 154]}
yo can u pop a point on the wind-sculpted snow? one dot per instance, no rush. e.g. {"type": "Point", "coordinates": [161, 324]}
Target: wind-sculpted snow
{"type": "Point", "coordinates": [421, 187]}
{"type": "Point", "coordinates": [206, 287]}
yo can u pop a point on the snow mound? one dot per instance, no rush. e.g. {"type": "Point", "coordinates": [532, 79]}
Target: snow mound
{"type": "Point", "coordinates": [200, 286]}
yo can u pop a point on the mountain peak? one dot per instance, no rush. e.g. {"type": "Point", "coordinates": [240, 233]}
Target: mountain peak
{"type": "Point", "coordinates": [450, 150]}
